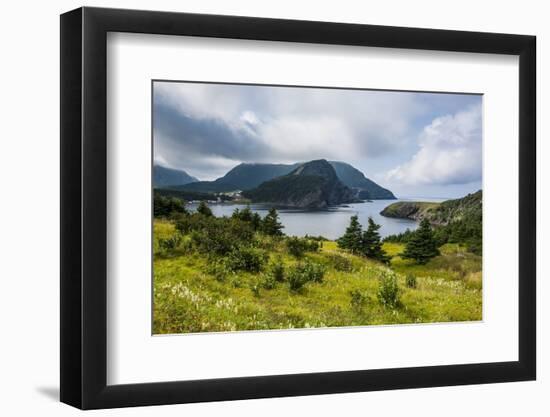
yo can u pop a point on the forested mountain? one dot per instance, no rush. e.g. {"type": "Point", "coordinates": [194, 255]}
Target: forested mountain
{"type": "Point", "coordinates": [469, 207]}
{"type": "Point", "coordinates": [455, 221]}
{"type": "Point", "coordinates": [166, 177]}
{"type": "Point", "coordinates": [310, 185]}
{"type": "Point", "coordinates": [247, 176]}
{"type": "Point", "coordinates": [355, 179]}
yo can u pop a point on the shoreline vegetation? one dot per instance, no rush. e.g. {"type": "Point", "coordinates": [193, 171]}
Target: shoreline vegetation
{"type": "Point", "coordinates": [241, 272]}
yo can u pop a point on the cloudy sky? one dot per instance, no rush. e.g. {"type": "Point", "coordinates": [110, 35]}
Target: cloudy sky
{"type": "Point", "coordinates": [415, 144]}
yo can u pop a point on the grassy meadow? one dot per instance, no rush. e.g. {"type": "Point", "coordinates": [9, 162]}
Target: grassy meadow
{"type": "Point", "coordinates": [191, 295]}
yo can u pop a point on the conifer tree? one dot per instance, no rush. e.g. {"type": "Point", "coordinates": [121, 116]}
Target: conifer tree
{"type": "Point", "coordinates": [352, 238]}
{"type": "Point", "coordinates": [204, 209]}
{"type": "Point", "coordinates": [271, 225]}
{"type": "Point", "coordinates": [422, 245]}
{"type": "Point", "coordinates": [256, 221]}
{"type": "Point", "coordinates": [371, 245]}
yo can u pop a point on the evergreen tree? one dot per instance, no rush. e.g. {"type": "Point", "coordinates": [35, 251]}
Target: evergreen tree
{"type": "Point", "coordinates": [352, 239]}
{"type": "Point", "coordinates": [256, 221]}
{"type": "Point", "coordinates": [244, 215]}
{"type": "Point", "coordinates": [204, 209]}
{"type": "Point", "coordinates": [247, 215]}
{"type": "Point", "coordinates": [371, 244]}
{"type": "Point", "coordinates": [271, 225]}
{"type": "Point", "coordinates": [166, 206]}
{"type": "Point", "coordinates": [422, 245]}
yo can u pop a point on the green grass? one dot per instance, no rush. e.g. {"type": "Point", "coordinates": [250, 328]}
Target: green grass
{"type": "Point", "coordinates": [188, 299]}
{"type": "Point", "coordinates": [396, 209]}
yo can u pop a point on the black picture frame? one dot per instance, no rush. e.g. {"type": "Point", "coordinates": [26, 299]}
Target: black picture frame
{"type": "Point", "coordinates": [84, 207]}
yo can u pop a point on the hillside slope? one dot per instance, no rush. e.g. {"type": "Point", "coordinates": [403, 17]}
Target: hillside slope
{"type": "Point", "coordinates": [454, 221]}
{"type": "Point", "coordinates": [247, 176]}
{"type": "Point", "coordinates": [449, 211]}
{"type": "Point", "coordinates": [311, 185]}
{"type": "Point", "coordinates": [356, 180]}
{"type": "Point", "coordinates": [166, 177]}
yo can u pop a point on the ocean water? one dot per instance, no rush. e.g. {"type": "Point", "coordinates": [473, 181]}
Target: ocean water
{"type": "Point", "coordinates": [330, 223]}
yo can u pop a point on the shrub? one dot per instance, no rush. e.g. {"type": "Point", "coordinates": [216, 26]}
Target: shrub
{"type": "Point", "coordinates": [278, 269]}
{"type": "Point", "coordinates": [317, 238]}
{"type": "Point", "coordinates": [296, 280]}
{"type": "Point", "coordinates": [169, 244]}
{"type": "Point", "coordinates": [341, 263]}
{"type": "Point", "coordinates": [410, 281]}
{"type": "Point", "coordinates": [358, 298]}
{"type": "Point", "coordinates": [191, 222]}
{"type": "Point", "coordinates": [268, 281]}
{"type": "Point", "coordinates": [314, 272]}
{"type": "Point", "coordinates": [246, 259]}
{"type": "Point", "coordinates": [204, 209]}
{"type": "Point", "coordinates": [298, 246]}
{"type": "Point", "coordinates": [166, 206]}
{"type": "Point", "coordinates": [388, 290]}
{"type": "Point", "coordinates": [219, 269]}
{"type": "Point", "coordinates": [247, 215]}
{"type": "Point", "coordinates": [303, 273]}
{"type": "Point", "coordinates": [220, 235]}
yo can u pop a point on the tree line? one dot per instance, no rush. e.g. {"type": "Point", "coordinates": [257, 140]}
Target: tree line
{"type": "Point", "coordinates": [420, 245]}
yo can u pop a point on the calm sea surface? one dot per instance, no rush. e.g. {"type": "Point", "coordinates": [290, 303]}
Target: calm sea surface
{"type": "Point", "coordinates": [330, 223]}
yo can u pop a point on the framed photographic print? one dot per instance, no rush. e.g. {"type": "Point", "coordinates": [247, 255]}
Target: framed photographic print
{"type": "Point", "coordinates": [258, 207]}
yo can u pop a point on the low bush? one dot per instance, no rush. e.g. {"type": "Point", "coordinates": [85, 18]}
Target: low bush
{"type": "Point", "coordinates": [410, 281]}
{"type": "Point", "coordinates": [219, 270]}
{"type": "Point", "coordinates": [268, 281]}
{"type": "Point", "coordinates": [169, 244]}
{"type": "Point", "coordinates": [358, 298]}
{"type": "Point", "coordinates": [303, 273]}
{"type": "Point", "coordinates": [341, 263]}
{"type": "Point", "coordinates": [296, 280]}
{"type": "Point", "coordinates": [277, 269]}
{"type": "Point", "coordinates": [219, 236]}
{"type": "Point", "coordinates": [297, 246]}
{"type": "Point", "coordinates": [246, 259]}
{"type": "Point", "coordinates": [167, 206]}
{"type": "Point", "coordinates": [388, 290]}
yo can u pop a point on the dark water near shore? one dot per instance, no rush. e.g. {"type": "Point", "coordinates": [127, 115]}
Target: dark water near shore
{"type": "Point", "coordinates": [330, 223]}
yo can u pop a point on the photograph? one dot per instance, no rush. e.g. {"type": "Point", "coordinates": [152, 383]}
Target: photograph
{"type": "Point", "coordinates": [280, 207]}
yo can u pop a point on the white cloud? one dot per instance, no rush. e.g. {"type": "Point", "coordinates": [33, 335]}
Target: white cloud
{"type": "Point", "coordinates": [450, 152]}
{"type": "Point", "coordinates": [300, 123]}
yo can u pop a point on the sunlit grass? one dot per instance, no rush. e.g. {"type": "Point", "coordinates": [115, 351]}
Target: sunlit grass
{"type": "Point", "coordinates": [188, 299]}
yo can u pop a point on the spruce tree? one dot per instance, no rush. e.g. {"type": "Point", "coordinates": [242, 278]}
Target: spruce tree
{"type": "Point", "coordinates": [422, 245]}
{"type": "Point", "coordinates": [371, 243]}
{"type": "Point", "coordinates": [352, 238]}
{"type": "Point", "coordinates": [204, 209]}
{"type": "Point", "coordinates": [271, 225]}
{"type": "Point", "coordinates": [256, 221]}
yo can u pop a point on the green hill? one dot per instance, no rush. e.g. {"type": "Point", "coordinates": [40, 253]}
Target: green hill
{"type": "Point", "coordinates": [356, 180]}
{"type": "Point", "coordinates": [311, 185]}
{"type": "Point", "coordinates": [247, 176]}
{"type": "Point", "coordinates": [469, 207]}
{"type": "Point", "coordinates": [165, 177]}
{"type": "Point", "coordinates": [455, 221]}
